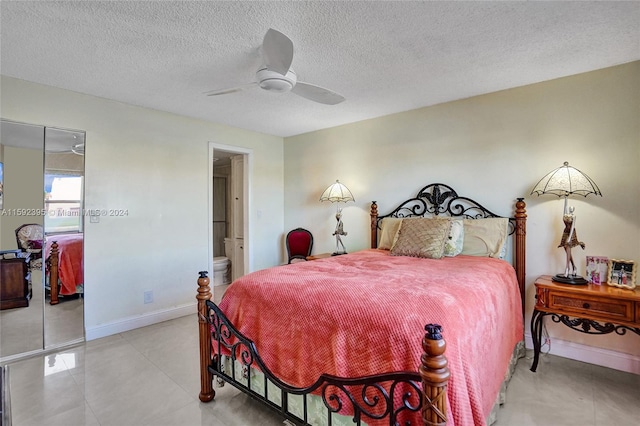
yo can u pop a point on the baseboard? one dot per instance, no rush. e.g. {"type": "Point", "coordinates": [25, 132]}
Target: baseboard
{"type": "Point", "coordinates": [92, 333]}
{"type": "Point", "coordinates": [592, 355]}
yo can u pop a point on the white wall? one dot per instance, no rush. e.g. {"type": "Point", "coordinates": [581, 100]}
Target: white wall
{"type": "Point", "coordinates": [493, 148]}
{"type": "Point", "coordinates": [23, 182]}
{"type": "Point", "coordinates": [154, 165]}
{"type": "Point", "coordinates": [1, 189]}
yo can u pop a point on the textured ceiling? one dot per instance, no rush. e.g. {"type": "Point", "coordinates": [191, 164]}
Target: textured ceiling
{"type": "Point", "coordinates": [384, 57]}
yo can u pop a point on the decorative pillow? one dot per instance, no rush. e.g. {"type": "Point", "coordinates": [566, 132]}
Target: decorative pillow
{"type": "Point", "coordinates": [422, 237]}
{"type": "Point", "coordinates": [455, 241]}
{"type": "Point", "coordinates": [485, 237]}
{"type": "Point", "coordinates": [34, 244]}
{"type": "Point", "coordinates": [388, 232]}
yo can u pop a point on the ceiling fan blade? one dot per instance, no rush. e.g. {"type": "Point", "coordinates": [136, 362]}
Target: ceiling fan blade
{"type": "Point", "coordinates": [78, 148]}
{"type": "Point", "coordinates": [277, 49]}
{"type": "Point", "coordinates": [317, 93]}
{"type": "Point", "coordinates": [230, 90]}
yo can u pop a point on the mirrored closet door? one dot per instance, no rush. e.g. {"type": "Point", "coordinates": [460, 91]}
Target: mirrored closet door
{"type": "Point", "coordinates": [41, 238]}
{"type": "Point", "coordinates": [64, 236]}
{"type": "Point", "coordinates": [21, 285]}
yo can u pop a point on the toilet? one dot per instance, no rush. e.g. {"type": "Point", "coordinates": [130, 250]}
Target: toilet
{"type": "Point", "coordinates": [221, 265]}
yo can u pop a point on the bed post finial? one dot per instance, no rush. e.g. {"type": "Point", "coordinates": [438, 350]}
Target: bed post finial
{"type": "Point", "coordinates": [435, 376]}
{"type": "Point", "coordinates": [54, 258]}
{"type": "Point", "coordinates": [206, 378]}
{"type": "Point", "coordinates": [374, 225]}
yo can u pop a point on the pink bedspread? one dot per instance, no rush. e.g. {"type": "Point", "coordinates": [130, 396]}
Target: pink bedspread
{"type": "Point", "coordinates": [71, 264]}
{"type": "Point", "coordinates": [364, 313]}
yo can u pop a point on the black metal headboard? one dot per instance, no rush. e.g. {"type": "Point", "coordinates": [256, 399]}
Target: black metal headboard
{"type": "Point", "coordinates": [440, 199]}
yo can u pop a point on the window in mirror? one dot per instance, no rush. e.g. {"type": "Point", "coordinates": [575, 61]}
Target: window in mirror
{"type": "Point", "coordinates": [63, 203]}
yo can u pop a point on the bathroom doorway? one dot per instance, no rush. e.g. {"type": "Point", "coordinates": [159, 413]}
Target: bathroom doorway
{"type": "Point", "coordinates": [229, 236]}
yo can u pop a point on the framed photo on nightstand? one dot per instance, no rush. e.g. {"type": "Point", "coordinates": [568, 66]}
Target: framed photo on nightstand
{"type": "Point", "coordinates": [622, 273]}
{"type": "Point", "coordinates": [597, 267]}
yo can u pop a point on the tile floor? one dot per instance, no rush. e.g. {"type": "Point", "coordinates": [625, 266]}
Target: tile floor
{"type": "Point", "coordinates": [149, 376]}
{"type": "Point", "coordinates": [22, 328]}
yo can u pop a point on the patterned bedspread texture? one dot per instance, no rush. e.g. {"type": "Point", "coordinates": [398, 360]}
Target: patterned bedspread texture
{"type": "Point", "coordinates": [364, 313]}
{"type": "Point", "coordinates": [71, 265]}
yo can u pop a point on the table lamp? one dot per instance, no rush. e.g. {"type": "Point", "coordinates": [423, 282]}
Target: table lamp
{"type": "Point", "coordinates": [563, 182]}
{"type": "Point", "coordinates": [338, 193]}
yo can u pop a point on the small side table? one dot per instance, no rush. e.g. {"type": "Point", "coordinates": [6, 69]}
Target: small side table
{"type": "Point", "coordinates": [595, 309]}
{"type": "Point", "coordinates": [14, 283]}
{"type": "Point", "coordinates": [318, 256]}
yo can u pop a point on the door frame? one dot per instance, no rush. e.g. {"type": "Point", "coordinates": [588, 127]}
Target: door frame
{"type": "Point", "coordinates": [247, 155]}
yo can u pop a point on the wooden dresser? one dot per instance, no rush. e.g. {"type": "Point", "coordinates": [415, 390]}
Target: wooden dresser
{"type": "Point", "coordinates": [14, 283]}
{"type": "Point", "coordinates": [591, 309]}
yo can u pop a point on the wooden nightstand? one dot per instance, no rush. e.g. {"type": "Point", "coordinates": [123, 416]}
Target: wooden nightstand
{"type": "Point", "coordinates": [318, 256]}
{"type": "Point", "coordinates": [14, 283]}
{"type": "Point", "coordinates": [595, 309]}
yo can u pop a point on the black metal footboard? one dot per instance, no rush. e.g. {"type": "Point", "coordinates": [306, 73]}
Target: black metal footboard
{"type": "Point", "coordinates": [392, 398]}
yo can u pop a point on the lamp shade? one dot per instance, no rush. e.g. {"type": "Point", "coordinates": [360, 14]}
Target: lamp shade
{"type": "Point", "coordinates": [565, 181]}
{"type": "Point", "coordinates": [337, 192]}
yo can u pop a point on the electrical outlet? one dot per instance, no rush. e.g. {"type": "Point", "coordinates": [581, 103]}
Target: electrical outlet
{"type": "Point", "coordinates": [148, 296]}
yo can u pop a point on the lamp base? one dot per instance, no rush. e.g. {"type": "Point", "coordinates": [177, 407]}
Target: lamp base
{"type": "Point", "coordinates": [569, 279]}
{"type": "Point", "coordinates": [338, 253]}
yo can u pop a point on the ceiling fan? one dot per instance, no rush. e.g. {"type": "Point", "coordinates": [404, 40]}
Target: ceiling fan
{"type": "Point", "coordinates": [276, 75]}
{"type": "Point", "coordinates": [75, 149]}
{"type": "Point", "coordinates": [59, 141]}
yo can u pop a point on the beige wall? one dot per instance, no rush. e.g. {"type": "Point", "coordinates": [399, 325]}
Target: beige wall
{"type": "Point", "coordinates": [493, 148]}
{"type": "Point", "coordinates": [1, 195]}
{"type": "Point", "coordinates": [23, 177]}
{"type": "Point", "coordinates": [154, 165]}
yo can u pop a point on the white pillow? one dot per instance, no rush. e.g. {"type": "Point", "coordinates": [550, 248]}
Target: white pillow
{"type": "Point", "coordinates": [389, 227]}
{"type": "Point", "coordinates": [455, 243]}
{"type": "Point", "coordinates": [485, 237]}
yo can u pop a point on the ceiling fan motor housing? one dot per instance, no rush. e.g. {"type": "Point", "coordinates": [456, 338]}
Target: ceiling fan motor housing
{"type": "Point", "coordinates": [276, 82]}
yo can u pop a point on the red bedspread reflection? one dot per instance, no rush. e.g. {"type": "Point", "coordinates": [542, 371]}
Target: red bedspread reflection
{"type": "Point", "coordinates": [364, 313]}
{"type": "Point", "coordinates": [71, 263]}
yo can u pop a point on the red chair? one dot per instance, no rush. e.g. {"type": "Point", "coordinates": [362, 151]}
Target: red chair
{"type": "Point", "coordinates": [299, 244]}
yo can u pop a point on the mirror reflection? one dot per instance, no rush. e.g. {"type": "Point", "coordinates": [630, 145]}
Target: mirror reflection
{"type": "Point", "coordinates": [21, 238]}
{"type": "Point", "coordinates": [63, 229]}
{"type": "Point", "coordinates": [42, 297]}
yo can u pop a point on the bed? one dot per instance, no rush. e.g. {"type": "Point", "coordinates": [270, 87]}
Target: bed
{"type": "Point", "coordinates": [64, 266]}
{"type": "Point", "coordinates": [343, 340]}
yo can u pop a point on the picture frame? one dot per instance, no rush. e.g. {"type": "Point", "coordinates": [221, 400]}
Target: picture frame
{"type": "Point", "coordinates": [622, 273]}
{"type": "Point", "coordinates": [597, 267]}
